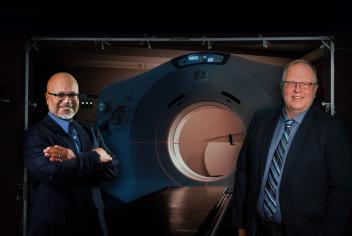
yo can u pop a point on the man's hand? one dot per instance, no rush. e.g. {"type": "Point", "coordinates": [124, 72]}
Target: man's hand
{"type": "Point", "coordinates": [104, 157]}
{"type": "Point", "coordinates": [58, 154]}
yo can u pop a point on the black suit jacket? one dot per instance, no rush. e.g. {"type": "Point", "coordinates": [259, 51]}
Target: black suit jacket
{"type": "Point", "coordinates": [316, 184]}
{"type": "Point", "coordinates": [60, 189]}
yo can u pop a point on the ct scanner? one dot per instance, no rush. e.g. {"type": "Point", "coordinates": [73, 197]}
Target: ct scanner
{"type": "Point", "coordinates": [183, 122]}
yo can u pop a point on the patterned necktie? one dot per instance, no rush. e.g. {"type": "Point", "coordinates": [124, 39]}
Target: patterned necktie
{"type": "Point", "coordinates": [74, 135]}
{"type": "Point", "coordinates": [272, 183]}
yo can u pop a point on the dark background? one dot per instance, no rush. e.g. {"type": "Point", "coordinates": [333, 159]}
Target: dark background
{"type": "Point", "coordinates": [169, 19]}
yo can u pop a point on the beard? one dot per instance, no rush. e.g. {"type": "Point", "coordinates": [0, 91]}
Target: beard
{"type": "Point", "coordinates": [67, 112]}
{"type": "Point", "coordinates": [68, 116]}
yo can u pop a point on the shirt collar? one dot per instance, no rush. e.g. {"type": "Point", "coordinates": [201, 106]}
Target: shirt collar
{"type": "Point", "coordinates": [63, 123]}
{"type": "Point", "coordinates": [298, 119]}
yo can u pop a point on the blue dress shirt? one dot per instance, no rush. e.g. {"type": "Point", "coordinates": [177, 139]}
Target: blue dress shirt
{"type": "Point", "coordinates": [274, 142]}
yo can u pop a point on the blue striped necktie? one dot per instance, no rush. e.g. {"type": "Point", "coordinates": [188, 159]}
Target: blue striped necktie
{"type": "Point", "coordinates": [272, 183]}
{"type": "Point", "coordinates": [74, 135]}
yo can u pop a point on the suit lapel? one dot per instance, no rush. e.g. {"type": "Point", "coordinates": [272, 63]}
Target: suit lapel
{"type": "Point", "coordinates": [268, 134]}
{"type": "Point", "coordinates": [83, 137]}
{"type": "Point", "coordinates": [60, 134]}
{"type": "Point", "coordinates": [298, 142]}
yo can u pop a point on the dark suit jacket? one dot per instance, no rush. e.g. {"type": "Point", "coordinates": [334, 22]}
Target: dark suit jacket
{"type": "Point", "coordinates": [316, 185]}
{"type": "Point", "coordinates": [61, 189]}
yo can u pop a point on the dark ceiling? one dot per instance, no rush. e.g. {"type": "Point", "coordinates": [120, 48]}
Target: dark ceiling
{"type": "Point", "coordinates": [171, 19]}
{"type": "Point", "coordinates": [176, 17]}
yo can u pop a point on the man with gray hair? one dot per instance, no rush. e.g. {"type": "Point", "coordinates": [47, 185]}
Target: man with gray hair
{"type": "Point", "coordinates": [293, 174]}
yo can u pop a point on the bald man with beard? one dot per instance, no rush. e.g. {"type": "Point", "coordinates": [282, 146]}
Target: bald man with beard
{"type": "Point", "coordinates": [67, 161]}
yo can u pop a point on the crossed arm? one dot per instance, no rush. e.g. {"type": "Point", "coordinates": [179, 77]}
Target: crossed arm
{"type": "Point", "coordinates": [54, 164]}
{"type": "Point", "coordinates": [58, 153]}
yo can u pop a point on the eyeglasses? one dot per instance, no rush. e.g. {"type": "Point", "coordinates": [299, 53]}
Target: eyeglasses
{"type": "Point", "coordinates": [292, 84]}
{"type": "Point", "coordinates": [63, 95]}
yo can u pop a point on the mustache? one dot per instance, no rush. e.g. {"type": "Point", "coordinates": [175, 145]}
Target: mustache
{"type": "Point", "coordinates": [66, 106]}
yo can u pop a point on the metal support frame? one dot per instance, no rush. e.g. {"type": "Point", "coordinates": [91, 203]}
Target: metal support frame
{"type": "Point", "coordinates": [332, 78]}
{"type": "Point", "coordinates": [31, 43]}
{"type": "Point", "coordinates": [25, 173]}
